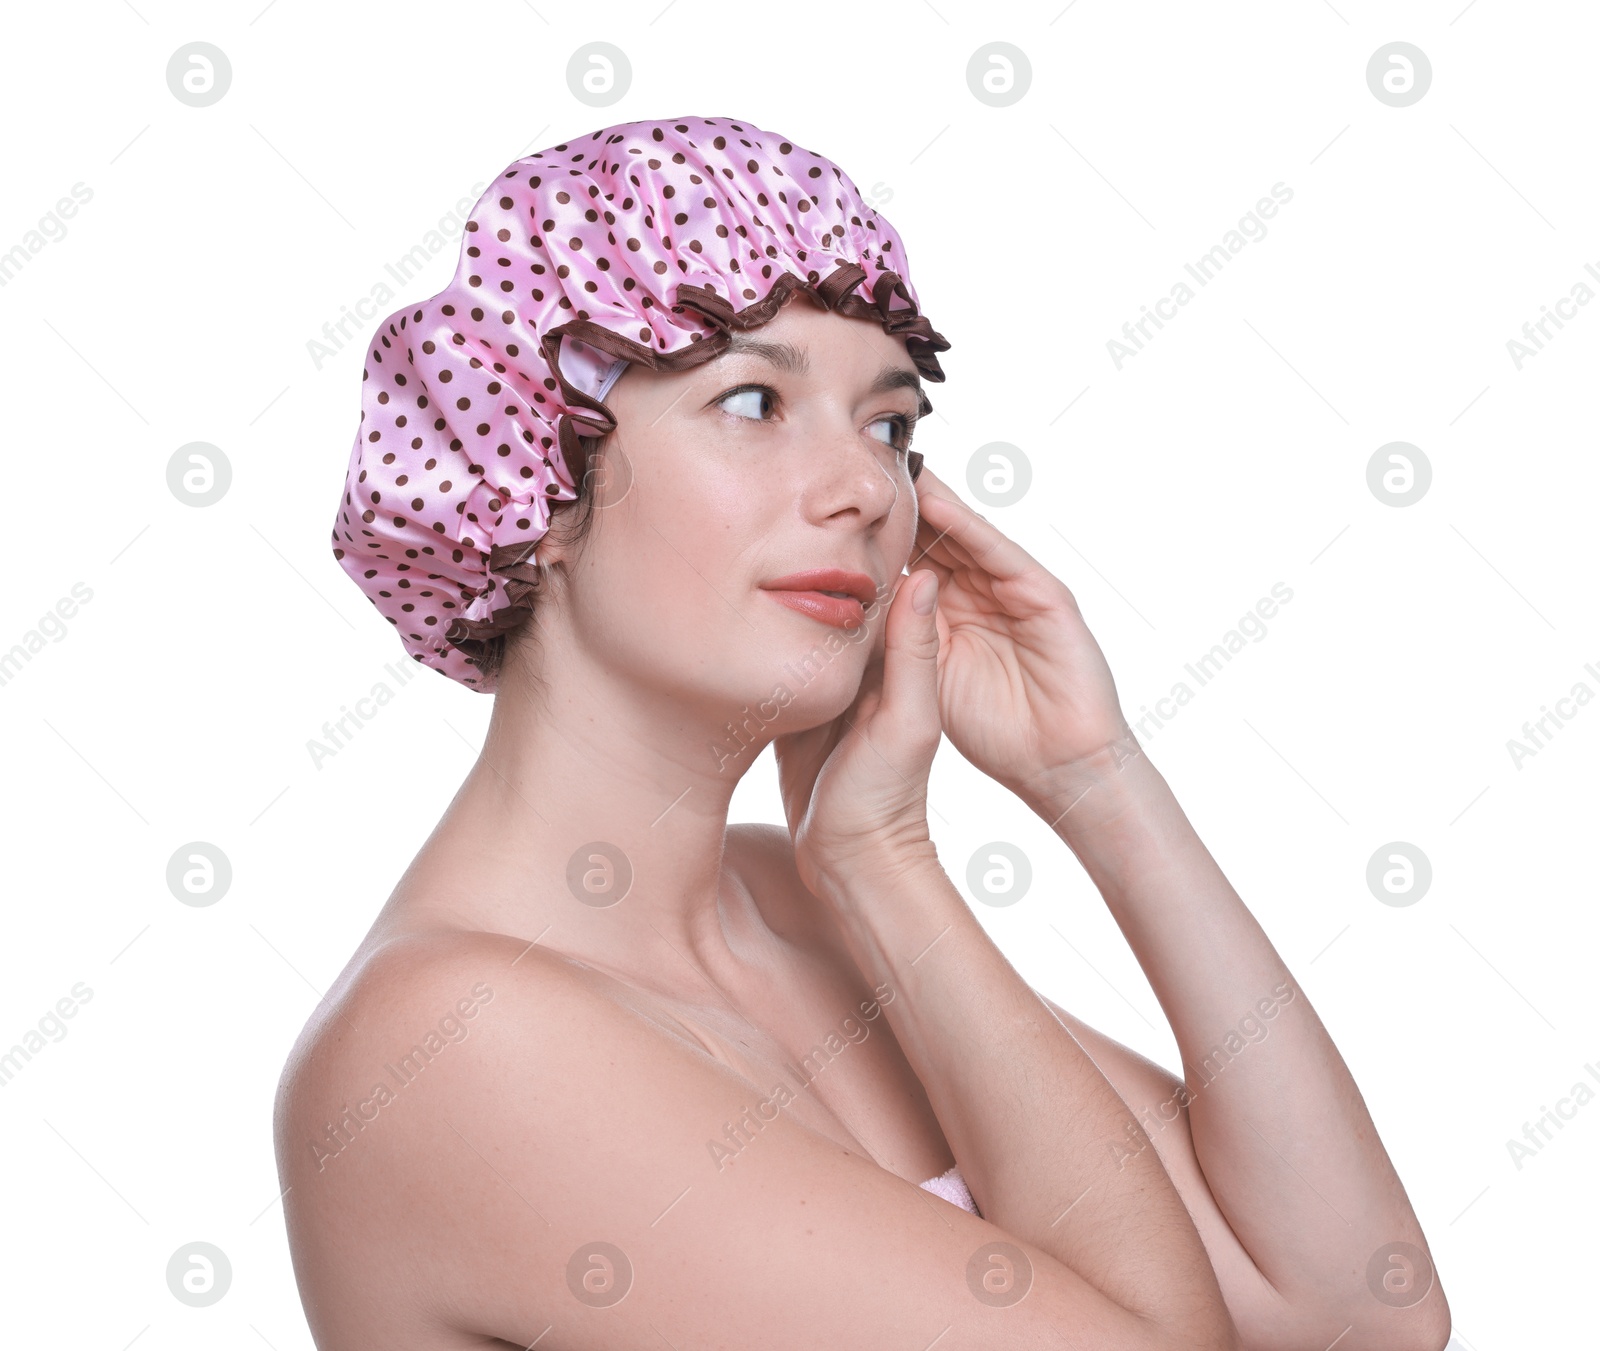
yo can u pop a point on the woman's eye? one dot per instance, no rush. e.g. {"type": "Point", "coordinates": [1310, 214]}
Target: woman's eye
{"type": "Point", "coordinates": [759, 399]}
{"type": "Point", "coordinates": [753, 395]}
{"type": "Point", "coordinates": [901, 438]}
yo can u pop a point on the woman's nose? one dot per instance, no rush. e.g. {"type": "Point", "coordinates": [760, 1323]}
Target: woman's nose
{"type": "Point", "coordinates": [858, 464]}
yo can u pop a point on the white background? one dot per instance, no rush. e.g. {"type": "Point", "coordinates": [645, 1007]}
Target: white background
{"type": "Point", "coordinates": [1170, 494]}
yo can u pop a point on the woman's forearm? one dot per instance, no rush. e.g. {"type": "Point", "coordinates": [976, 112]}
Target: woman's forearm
{"type": "Point", "coordinates": [1278, 1124]}
{"type": "Point", "coordinates": [1025, 1109]}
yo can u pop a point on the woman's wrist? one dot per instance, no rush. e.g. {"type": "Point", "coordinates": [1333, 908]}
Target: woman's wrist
{"type": "Point", "coordinates": [1106, 781]}
{"type": "Point", "coordinates": [885, 899]}
{"type": "Point", "coordinates": [851, 878]}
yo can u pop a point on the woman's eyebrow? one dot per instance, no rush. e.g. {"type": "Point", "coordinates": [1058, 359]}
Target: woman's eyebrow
{"type": "Point", "coordinates": [784, 355]}
{"type": "Point", "coordinates": [791, 359]}
{"type": "Point", "coordinates": [897, 377]}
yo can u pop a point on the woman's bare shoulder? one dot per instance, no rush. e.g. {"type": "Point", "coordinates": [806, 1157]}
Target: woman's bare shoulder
{"type": "Point", "coordinates": [422, 983]}
{"type": "Point", "coordinates": [377, 1002]}
{"type": "Point", "coordinates": [412, 992]}
{"type": "Point", "coordinates": [474, 1139]}
{"type": "Point", "coordinates": [425, 1068]}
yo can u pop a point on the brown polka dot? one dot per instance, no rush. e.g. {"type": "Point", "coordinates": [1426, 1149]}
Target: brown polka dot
{"type": "Point", "coordinates": [610, 241]}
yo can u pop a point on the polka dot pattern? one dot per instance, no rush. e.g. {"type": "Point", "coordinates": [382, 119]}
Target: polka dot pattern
{"type": "Point", "coordinates": [649, 241]}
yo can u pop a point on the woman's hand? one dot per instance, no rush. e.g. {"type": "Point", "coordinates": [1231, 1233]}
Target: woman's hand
{"type": "Point", "coordinates": [855, 790]}
{"type": "Point", "coordinates": [1024, 690]}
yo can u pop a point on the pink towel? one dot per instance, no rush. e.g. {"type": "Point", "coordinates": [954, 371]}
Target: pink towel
{"type": "Point", "coordinates": [953, 1187]}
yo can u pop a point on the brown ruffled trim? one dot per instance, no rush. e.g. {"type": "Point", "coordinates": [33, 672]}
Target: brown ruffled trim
{"type": "Point", "coordinates": [512, 563]}
{"type": "Point", "coordinates": [836, 291]}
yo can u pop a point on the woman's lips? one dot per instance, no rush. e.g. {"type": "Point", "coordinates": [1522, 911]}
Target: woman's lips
{"type": "Point", "coordinates": [842, 613]}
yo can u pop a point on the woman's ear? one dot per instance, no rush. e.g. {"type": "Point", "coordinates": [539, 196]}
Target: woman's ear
{"type": "Point", "coordinates": [550, 550]}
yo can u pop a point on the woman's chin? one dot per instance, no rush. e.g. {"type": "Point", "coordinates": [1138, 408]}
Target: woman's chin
{"type": "Point", "coordinates": [796, 695]}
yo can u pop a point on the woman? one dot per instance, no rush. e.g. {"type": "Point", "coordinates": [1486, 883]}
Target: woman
{"type": "Point", "coordinates": [611, 1072]}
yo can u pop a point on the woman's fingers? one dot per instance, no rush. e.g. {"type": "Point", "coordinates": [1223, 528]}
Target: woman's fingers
{"type": "Point", "coordinates": [963, 539]}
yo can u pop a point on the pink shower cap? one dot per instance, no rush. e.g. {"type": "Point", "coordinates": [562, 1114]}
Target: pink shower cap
{"type": "Point", "coordinates": [645, 242]}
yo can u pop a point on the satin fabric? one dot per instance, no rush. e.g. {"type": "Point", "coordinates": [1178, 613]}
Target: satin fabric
{"type": "Point", "coordinates": [646, 242]}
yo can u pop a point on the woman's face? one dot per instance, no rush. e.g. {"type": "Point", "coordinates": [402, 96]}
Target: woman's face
{"type": "Point", "coordinates": [784, 454]}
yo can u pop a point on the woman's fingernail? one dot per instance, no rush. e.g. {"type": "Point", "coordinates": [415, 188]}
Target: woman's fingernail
{"type": "Point", "coordinates": [927, 595]}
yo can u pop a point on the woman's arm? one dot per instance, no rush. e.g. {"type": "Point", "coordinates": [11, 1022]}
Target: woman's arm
{"type": "Point", "coordinates": [1025, 1110]}
{"type": "Point", "coordinates": [565, 1172]}
{"type": "Point", "coordinates": [1279, 1127]}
